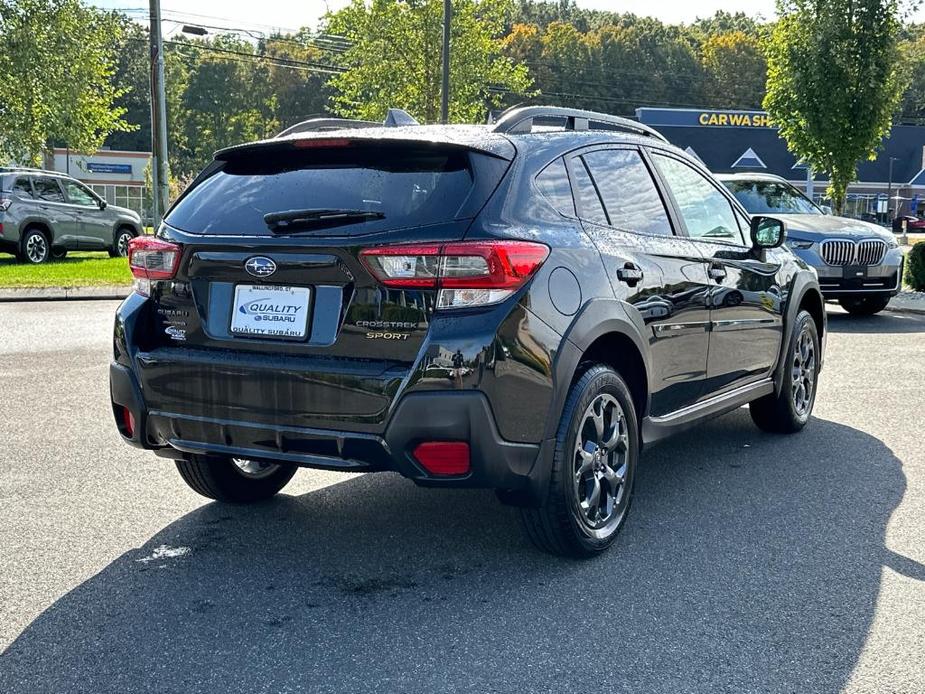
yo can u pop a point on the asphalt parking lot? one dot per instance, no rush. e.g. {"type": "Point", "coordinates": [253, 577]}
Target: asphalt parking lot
{"type": "Point", "coordinates": [750, 562]}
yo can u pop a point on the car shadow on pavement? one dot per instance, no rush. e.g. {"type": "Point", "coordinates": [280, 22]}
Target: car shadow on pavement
{"type": "Point", "coordinates": [886, 322]}
{"type": "Point", "coordinates": [750, 562]}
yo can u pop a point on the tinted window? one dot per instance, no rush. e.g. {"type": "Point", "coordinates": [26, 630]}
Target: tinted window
{"type": "Point", "coordinates": [554, 185]}
{"type": "Point", "coordinates": [706, 211]}
{"type": "Point", "coordinates": [770, 197]}
{"type": "Point", "coordinates": [48, 189]}
{"type": "Point", "coordinates": [409, 186]}
{"type": "Point", "coordinates": [77, 194]}
{"type": "Point", "coordinates": [629, 193]}
{"type": "Point", "coordinates": [589, 203]}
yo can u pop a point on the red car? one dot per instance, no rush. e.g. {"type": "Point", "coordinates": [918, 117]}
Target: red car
{"type": "Point", "coordinates": [911, 223]}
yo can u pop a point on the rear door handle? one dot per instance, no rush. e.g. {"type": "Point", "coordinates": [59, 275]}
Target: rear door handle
{"type": "Point", "coordinates": [630, 273]}
{"type": "Point", "coordinates": [717, 272]}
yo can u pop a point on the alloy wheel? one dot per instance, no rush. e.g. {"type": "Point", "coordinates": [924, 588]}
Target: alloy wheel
{"type": "Point", "coordinates": [803, 372]}
{"type": "Point", "coordinates": [600, 464]}
{"type": "Point", "coordinates": [122, 244]}
{"type": "Point", "coordinates": [36, 248]}
{"type": "Point", "coordinates": [254, 469]}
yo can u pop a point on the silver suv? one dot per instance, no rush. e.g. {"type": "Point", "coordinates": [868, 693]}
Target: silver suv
{"type": "Point", "coordinates": [859, 264]}
{"type": "Point", "coordinates": [44, 214]}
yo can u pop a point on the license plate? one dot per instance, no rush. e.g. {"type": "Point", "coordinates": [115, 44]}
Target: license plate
{"type": "Point", "coordinates": [270, 311]}
{"type": "Point", "coordinates": [853, 272]}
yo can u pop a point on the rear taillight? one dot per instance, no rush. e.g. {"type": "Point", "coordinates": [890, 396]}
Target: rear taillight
{"type": "Point", "coordinates": [468, 273]}
{"type": "Point", "coordinates": [152, 259]}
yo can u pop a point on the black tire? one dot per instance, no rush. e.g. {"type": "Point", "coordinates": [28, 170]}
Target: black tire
{"type": "Point", "coordinates": [222, 479]}
{"type": "Point", "coordinates": [864, 305]}
{"type": "Point", "coordinates": [120, 241]}
{"type": "Point", "coordinates": [58, 253]}
{"type": "Point", "coordinates": [787, 411]}
{"type": "Point", "coordinates": [35, 248]}
{"type": "Point", "coordinates": [561, 525]}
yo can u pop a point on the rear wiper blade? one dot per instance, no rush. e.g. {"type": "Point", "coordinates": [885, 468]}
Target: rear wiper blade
{"type": "Point", "coordinates": [281, 222]}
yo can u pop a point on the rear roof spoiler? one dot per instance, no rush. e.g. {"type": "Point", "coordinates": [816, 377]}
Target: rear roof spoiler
{"type": "Point", "coordinates": [395, 117]}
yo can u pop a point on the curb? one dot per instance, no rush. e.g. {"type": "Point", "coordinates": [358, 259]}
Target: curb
{"type": "Point", "coordinates": [906, 309]}
{"type": "Point", "coordinates": [64, 293]}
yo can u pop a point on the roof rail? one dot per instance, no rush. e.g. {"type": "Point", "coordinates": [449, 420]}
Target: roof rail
{"type": "Point", "coordinates": [394, 118]}
{"type": "Point", "coordinates": [521, 119]}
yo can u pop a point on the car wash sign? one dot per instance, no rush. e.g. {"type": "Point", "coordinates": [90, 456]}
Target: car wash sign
{"type": "Point", "coordinates": [690, 117]}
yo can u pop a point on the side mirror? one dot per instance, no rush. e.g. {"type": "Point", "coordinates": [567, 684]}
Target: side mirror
{"type": "Point", "coordinates": [827, 209]}
{"type": "Point", "coordinates": [767, 232]}
{"type": "Point", "coordinates": [102, 204]}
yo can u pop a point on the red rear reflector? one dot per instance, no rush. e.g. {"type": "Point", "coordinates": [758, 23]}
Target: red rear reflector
{"type": "Point", "coordinates": [443, 457]}
{"type": "Point", "coordinates": [128, 420]}
{"type": "Point", "coordinates": [308, 143]}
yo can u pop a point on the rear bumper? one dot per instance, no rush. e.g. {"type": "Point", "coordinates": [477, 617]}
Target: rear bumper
{"type": "Point", "coordinates": [422, 416]}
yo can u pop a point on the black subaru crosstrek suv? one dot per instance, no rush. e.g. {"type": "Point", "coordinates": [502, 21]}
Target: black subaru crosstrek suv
{"type": "Point", "coordinates": [520, 306]}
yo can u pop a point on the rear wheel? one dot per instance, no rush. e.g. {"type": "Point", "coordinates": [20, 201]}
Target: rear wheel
{"type": "Point", "coordinates": [864, 305]}
{"type": "Point", "coordinates": [35, 247]}
{"type": "Point", "coordinates": [788, 411]}
{"type": "Point", "coordinates": [235, 480]}
{"type": "Point", "coordinates": [594, 466]}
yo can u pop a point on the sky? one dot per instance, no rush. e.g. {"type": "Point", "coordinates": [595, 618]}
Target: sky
{"type": "Point", "coordinates": [268, 15]}
{"type": "Point", "coordinates": [280, 14]}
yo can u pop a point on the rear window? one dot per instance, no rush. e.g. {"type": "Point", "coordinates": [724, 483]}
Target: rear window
{"type": "Point", "coordinates": [405, 186]}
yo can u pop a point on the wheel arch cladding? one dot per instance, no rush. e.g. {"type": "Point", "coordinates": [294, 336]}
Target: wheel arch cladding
{"type": "Point", "coordinates": [602, 332]}
{"type": "Point", "coordinates": [42, 227]}
{"type": "Point", "coordinates": [811, 301]}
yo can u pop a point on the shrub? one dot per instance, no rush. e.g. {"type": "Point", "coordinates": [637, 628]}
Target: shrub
{"type": "Point", "coordinates": [915, 267]}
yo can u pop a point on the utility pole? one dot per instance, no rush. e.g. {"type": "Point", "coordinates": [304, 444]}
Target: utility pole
{"type": "Point", "coordinates": [161, 193]}
{"type": "Point", "coordinates": [445, 92]}
{"type": "Point", "coordinates": [889, 192]}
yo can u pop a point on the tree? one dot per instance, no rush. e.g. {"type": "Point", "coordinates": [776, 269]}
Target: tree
{"type": "Point", "coordinates": [735, 68]}
{"type": "Point", "coordinates": [394, 54]}
{"type": "Point", "coordinates": [834, 82]}
{"type": "Point", "coordinates": [227, 100]}
{"type": "Point", "coordinates": [57, 59]}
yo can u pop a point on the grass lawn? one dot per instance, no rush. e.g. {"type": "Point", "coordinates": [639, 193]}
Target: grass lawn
{"type": "Point", "coordinates": [85, 269]}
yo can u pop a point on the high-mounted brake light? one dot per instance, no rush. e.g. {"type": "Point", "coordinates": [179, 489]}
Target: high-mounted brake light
{"type": "Point", "coordinates": [467, 273]}
{"type": "Point", "coordinates": [310, 142]}
{"type": "Point", "coordinates": [152, 259]}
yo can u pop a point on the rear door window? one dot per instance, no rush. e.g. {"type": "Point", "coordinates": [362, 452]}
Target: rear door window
{"type": "Point", "coordinates": [590, 207]}
{"type": "Point", "coordinates": [630, 197]}
{"type": "Point", "coordinates": [48, 189]}
{"type": "Point", "coordinates": [404, 186]}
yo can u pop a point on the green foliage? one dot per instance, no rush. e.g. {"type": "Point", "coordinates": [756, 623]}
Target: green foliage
{"type": "Point", "coordinates": [736, 69]}
{"type": "Point", "coordinates": [394, 59]}
{"type": "Point", "coordinates": [834, 82]}
{"type": "Point", "coordinates": [57, 59]}
{"type": "Point", "coordinates": [915, 267]}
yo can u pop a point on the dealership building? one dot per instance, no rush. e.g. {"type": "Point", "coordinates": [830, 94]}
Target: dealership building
{"type": "Point", "coordinates": [116, 176]}
{"type": "Point", "coordinates": [747, 141]}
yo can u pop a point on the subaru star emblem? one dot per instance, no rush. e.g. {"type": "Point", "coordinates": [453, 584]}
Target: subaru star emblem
{"type": "Point", "coordinates": [259, 266]}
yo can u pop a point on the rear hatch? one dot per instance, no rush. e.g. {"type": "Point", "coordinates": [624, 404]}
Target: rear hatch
{"type": "Point", "coordinates": [272, 315]}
